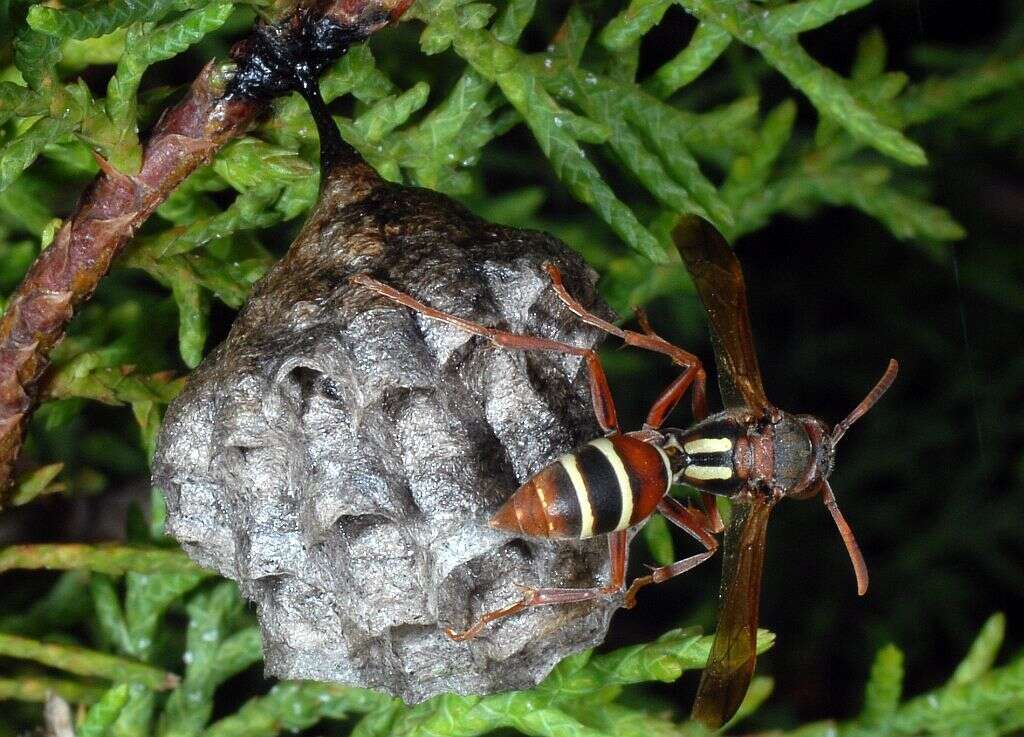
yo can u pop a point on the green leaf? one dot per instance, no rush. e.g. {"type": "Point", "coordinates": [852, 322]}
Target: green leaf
{"type": "Point", "coordinates": [189, 708]}
{"type": "Point", "coordinates": [513, 19]}
{"type": "Point", "coordinates": [108, 614]}
{"type": "Point", "coordinates": [806, 15]}
{"type": "Point", "coordinates": [112, 559]}
{"type": "Point", "coordinates": [885, 686]}
{"type": "Point", "coordinates": [146, 46]}
{"type": "Point", "coordinates": [294, 707]}
{"type": "Point", "coordinates": [628, 27]}
{"type": "Point", "coordinates": [669, 171]}
{"type": "Point", "coordinates": [64, 606]}
{"type": "Point", "coordinates": [36, 56]}
{"type": "Point", "coordinates": [193, 320]}
{"type": "Point", "coordinates": [389, 113]}
{"type": "Point", "coordinates": [39, 689]}
{"type": "Point", "coordinates": [248, 165]}
{"type": "Point", "coordinates": [708, 43]}
{"type": "Point", "coordinates": [18, 101]}
{"type": "Point", "coordinates": [545, 118]}
{"type": "Point", "coordinates": [659, 540]}
{"type": "Point", "coordinates": [758, 692]}
{"type": "Point", "coordinates": [987, 705]}
{"type": "Point", "coordinates": [36, 483]}
{"type": "Point", "coordinates": [936, 97]}
{"type": "Point", "coordinates": [19, 154]}
{"type": "Point", "coordinates": [147, 597]}
{"type": "Point", "coordinates": [98, 19]}
{"type": "Point", "coordinates": [21, 203]}
{"type": "Point", "coordinates": [983, 652]}
{"type": "Point", "coordinates": [379, 722]}
{"type": "Point", "coordinates": [102, 715]}
{"type": "Point", "coordinates": [662, 660]}
{"type": "Point", "coordinates": [826, 89]}
{"type": "Point", "coordinates": [115, 386]}
{"type": "Point", "coordinates": [84, 662]}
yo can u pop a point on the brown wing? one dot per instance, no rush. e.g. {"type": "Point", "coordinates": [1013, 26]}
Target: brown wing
{"type": "Point", "coordinates": [733, 654]}
{"type": "Point", "coordinates": [716, 273]}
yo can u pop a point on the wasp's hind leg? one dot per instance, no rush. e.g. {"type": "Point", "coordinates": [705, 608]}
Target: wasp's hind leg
{"type": "Point", "coordinates": [693, 524]}
{"type": "Point", "coordinates": [600, 393]}
{"type": "Point", "coordinates": [693, 370]}
{"type": "Point", "coordinates": [618, 549]}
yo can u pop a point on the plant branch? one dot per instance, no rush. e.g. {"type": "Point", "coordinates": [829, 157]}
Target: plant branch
{"type": "Point", "coordinates": [223, 100]}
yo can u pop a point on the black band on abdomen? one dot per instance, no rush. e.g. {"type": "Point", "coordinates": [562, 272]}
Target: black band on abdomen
{"type": "Point", "coordinates": [602, 488]}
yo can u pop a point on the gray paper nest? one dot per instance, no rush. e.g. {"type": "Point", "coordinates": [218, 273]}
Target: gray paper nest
{"type": "Point", "coordinates": [339, 455]}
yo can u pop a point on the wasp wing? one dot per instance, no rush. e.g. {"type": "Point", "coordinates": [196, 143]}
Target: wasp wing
{"type": "Point", "coordinates": [734, 651]}
{"type": "Point", "coordinates": [719, 280]}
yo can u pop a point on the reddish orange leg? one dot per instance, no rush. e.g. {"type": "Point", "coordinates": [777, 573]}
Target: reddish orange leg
{"type": "Point", "coordinates": [693, 524]}
{"type": "Point", "coordinates": [618, 551]}
{"type": "Point", "coordinates": [600, 393]}
{"type": "Point", "coordinates": [693, 371]}
{"type": "Point", "coordinates": [664, 405]}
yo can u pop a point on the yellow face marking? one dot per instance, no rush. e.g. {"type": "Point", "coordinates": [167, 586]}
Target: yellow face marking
{"type": "Point", "coordinates": [568, 462]}
{"type": "Point", "coordinates": [625, 488]}
{"type": "Point", "coordinates": [707, 473]}
{"type": "Point", "coordinates": [708, 445]}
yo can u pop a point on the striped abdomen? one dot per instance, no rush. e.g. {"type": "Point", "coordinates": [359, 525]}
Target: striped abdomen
{"type": "Point", "coordinates": [609, 484]}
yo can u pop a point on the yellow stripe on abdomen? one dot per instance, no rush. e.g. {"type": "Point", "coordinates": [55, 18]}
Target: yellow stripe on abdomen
{"type": "Point", "coordinates": [572, 468]}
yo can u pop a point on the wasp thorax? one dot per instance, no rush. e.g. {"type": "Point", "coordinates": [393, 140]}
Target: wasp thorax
{"type": "Point", "coordinates": [710, 456]}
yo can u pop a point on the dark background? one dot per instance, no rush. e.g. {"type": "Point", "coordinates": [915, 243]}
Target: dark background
{"type": "Point", "coordinates": [932, 480]}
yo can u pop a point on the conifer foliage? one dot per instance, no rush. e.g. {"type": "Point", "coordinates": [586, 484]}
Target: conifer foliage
{"type": "Point", "coordinates": [142, 638]}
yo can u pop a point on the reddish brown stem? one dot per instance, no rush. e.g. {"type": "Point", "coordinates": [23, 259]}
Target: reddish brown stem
{"type": "Point", "coordinates": [114, 206]}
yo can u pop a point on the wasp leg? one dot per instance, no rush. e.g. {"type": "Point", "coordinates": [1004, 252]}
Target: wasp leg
{"type": "Point", "coordinates": [713, 520]}
{"type": "Point", "coordinates": [600, 393]}
{"type": "Point", "coordinates": [679, 515]}
{"type": "Point", "coordinates": [664, 405]}
{"type": "Point", "coordinates": [618, 550]}
{"type": "Point", "coordinates": [693, 371]}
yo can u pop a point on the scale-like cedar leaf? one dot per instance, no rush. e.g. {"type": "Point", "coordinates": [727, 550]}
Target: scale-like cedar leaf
{"type": "Point", "coordinates": [102, 715]}
{"type": "Point", "coordinates": [98, 19]}
{"type": "Point", "coordinates": [545, 118]}
{"type": "Point", "coordinates": [627, 28]}
{"type": "Point", "coordinates": [806, 15]}
{"type": "Point", "coordinates": [826, 89]}
{"type": "Point", "coordinates": [983, 652]}
{"type": "Point", "coordinates": [706, 45]}
{"type": "Point", "coordinates": [40, 688]}
{"type": "Point", "coordinates": [19, 154]}
{"type": "Point", "coordinates": [293, 707]}
{"type": "Point", "coordinates": [885, 686]}
{"type": "Point", "coordinates": [111, 559]}
{"type": "Point", "coordinates": [145, 46]}
{"type": "Point", "coordinates": [85, 662]}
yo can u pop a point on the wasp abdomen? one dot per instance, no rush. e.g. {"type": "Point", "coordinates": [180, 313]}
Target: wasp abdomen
{"type": "Point", "coordinates": [608, 484]}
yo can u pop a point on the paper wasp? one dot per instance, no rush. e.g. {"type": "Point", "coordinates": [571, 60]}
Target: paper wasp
{"type": "Point", "coordinates": [772, 455]}
{"type": "Point", "coordinates": [751, 452]}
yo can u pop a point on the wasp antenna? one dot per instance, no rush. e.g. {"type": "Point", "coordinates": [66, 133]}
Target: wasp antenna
{"type": "Point", "coordinates": [868, 402]}
{"type": "Point", "coordinates": [860, 567]}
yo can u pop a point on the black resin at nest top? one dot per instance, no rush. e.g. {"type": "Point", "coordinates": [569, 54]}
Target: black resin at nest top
{"type": "Point", "coordinates": [285, 57]}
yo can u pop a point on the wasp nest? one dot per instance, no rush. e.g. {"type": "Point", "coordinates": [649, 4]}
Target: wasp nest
{"type": "Point", "coordinates": [339, 455]}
